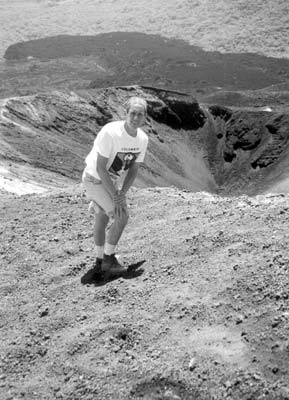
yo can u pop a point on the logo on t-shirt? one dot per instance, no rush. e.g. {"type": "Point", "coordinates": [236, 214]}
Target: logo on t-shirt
{"type": "Point", "coordinates": [122, 162]}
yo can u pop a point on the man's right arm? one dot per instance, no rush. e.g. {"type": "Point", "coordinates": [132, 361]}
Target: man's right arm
{"type": "Point", "coordinates": [104, 175]}
{"type": "Point", "coordinates": [118, 198]}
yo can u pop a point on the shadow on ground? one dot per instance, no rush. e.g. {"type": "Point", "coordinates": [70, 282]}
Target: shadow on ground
{"type": "Point", "coordinates": [93, 277]}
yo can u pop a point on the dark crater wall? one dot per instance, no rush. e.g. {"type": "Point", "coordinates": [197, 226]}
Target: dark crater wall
{"type": "Point", "coordinates": [251, 149]}
{"type": "Point", "coordinates": [175, 109]}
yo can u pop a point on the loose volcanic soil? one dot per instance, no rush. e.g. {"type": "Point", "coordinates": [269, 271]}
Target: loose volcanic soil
{"type": "Point", "coordinates": [202, 312]}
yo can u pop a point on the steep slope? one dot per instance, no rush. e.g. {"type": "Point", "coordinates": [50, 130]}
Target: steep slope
{"type": "Point", "coordinates": [251, 151]}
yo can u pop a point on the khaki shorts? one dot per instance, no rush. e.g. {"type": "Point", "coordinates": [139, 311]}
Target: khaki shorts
{"type": "Point", "coordinates": [101, 200]}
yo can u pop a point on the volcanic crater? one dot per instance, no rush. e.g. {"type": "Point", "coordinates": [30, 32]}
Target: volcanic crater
{"type": "Point", "coordinates": [202, 312]}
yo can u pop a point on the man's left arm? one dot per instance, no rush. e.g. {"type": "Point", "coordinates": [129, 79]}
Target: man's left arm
{"type": "Point", "coordinates": [130, 177]}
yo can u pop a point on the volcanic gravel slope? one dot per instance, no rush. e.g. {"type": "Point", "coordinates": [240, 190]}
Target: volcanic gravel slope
{"type": "Point", "coordinates": [202, 313]}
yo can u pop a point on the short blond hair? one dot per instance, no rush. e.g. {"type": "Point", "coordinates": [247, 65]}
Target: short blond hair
{"type": "Point", "coordinates": [136, 101]}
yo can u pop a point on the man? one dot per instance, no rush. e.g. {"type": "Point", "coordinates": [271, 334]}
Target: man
{"type": "Point", "coordinates": [118, 150]}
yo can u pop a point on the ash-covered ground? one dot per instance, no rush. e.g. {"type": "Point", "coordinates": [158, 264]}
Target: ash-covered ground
{"type": "Point", "coordinates": [202, 313]}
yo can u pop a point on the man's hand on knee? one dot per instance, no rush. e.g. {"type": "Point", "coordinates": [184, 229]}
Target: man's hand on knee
{"type": "Point", "coordinates": [120, 207]}
{"type": "Point", "coordinates": [119, 197]}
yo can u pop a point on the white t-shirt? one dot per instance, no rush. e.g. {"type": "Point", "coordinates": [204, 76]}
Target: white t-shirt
{"type": "Point", "coordinates": [121, 149]}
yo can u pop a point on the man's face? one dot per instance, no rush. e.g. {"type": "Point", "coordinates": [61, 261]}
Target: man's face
{"type": "Point", "coordinates": [135, 116]}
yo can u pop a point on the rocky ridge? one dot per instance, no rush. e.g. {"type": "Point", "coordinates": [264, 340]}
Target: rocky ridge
{"type": "Point", "coordinates": [192, 146]}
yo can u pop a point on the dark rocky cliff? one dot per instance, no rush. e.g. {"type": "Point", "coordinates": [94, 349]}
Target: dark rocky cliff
{"type": "Point", "coordinates": [251, 151]}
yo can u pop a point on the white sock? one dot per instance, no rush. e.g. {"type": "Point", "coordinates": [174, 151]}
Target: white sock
{"type": "Point", "coordinates": [99, 251]}
{"type": "Point", "coordinates": [109, 249]}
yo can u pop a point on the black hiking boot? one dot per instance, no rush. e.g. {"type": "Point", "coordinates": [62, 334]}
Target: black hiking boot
{"type": "Point", "coordinates": [97, 270]}
{"type": "Point", "coordinates": [111, 266]}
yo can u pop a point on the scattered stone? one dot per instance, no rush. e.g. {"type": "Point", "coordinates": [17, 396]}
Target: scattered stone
{"type": "Point", "coordinates": [116, 348]}
{"type": "Point", "coordinates": [240, 318]}
{"type": "Point", "coordinates": [275, 370]}
{"type": "Point", "coordinates": [43, 312]}
{"type": "Point", "coordinates": [170, 395]}
{"type": "Point", "coordinates": [275, 322]}
{"type": "Point", "coordinates": [275, 346]}
{"type": "Point", "coordinates": [192, 364]}
{"type": "Point", "coordinates": [42, 352]}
